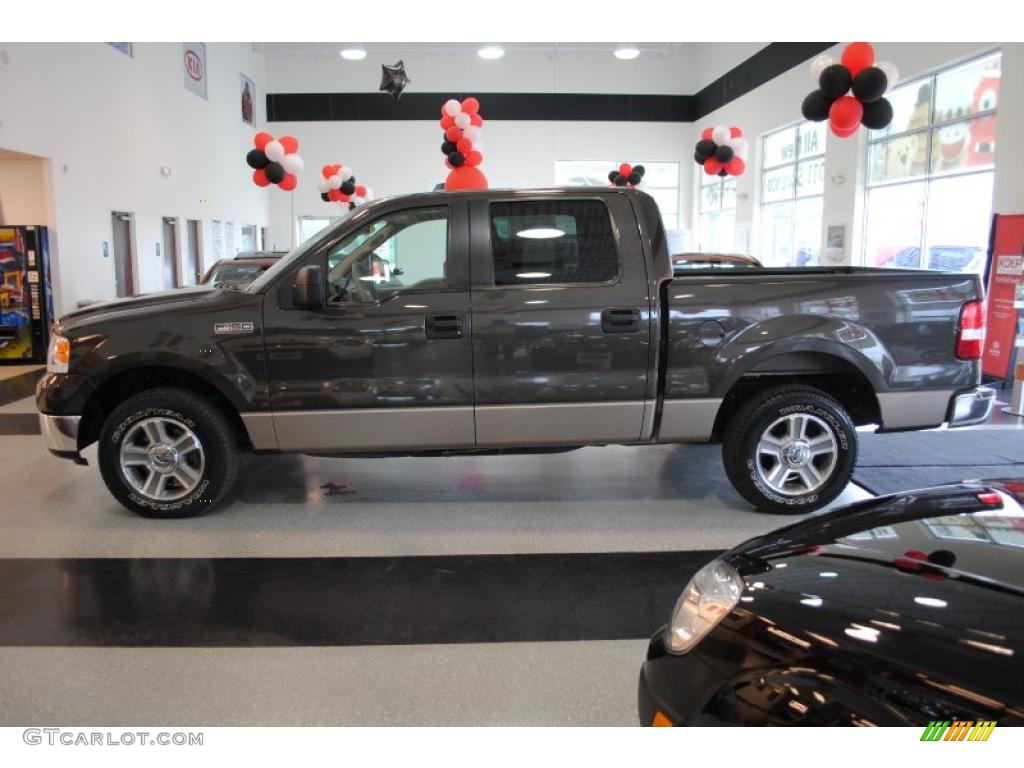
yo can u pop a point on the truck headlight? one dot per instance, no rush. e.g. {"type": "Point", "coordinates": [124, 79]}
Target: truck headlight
{"type": "Point", "coordinates": [712, 592]}
{"type": "Point", "coordinates": [59, 354]}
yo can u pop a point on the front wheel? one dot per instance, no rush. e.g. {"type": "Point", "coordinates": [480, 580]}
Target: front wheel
{"type": "Point", "coordinates": [168, 452]}
{"type": "Point", "coordinates": [790, 450]}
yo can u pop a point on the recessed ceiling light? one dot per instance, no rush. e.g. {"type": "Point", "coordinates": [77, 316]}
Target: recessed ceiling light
{"type": "Point", "coordinates": [491, 52]}
{"type": "Point", "coordinates": [353, 54]}
{"type": "Point", "coordinates": [627, 52]}
{"type": "Point", "coordinates": [540, 233]}
{"type": "Point", "coordinates": [533, 275]}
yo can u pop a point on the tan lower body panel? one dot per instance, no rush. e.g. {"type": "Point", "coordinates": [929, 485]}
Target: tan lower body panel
{"type": "Point", "coordinates": [914, 410]}
{"type": "Point", "coordinates": [688, 421]}
{"type": "Point", "coordinates": [559, 424]}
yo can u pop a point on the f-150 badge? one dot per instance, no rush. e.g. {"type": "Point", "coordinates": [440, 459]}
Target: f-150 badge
{"type": "Point", "coordinates": [226, 328]}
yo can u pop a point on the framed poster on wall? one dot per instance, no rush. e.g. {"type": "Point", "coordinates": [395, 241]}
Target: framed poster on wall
{"type": "Point", "coordinates": [1006, 273]}
{"type": "Point", "coordinates": [248, 89]}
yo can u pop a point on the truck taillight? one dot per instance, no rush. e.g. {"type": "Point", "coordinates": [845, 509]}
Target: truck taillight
{"type": "Point", "coordinates": [971, 334]}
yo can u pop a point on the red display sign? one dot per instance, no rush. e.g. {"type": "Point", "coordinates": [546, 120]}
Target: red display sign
{"type": "Point", "coordinates": [1006, 273]}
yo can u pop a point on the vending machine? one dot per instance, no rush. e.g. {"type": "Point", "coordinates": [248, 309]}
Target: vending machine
{"type": "Point", "coordinates": [26, 298]}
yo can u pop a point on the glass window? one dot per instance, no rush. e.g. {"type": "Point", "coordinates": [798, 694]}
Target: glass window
{"type": "Point", "coordinates": [930, 173]}
{"type": "Point", "coordinates": [553, 241]}
{"type": "Point", "coordinates": [313, 225]}
{"type": "Point", "coordinates": [716, 222]}
{"type": "Point", "coordinates": [401, 252]}
{"type": "Point", "coordinates": [661, 181]}
{"type": "Point", "coordinates": [792, 196]}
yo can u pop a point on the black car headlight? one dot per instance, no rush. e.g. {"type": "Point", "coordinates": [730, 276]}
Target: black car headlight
{"type": "Point", "coordinates": [712, 592]}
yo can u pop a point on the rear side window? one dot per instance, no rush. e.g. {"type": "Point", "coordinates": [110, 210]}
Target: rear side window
{"type": "Point", "coordinates": [552, 241]}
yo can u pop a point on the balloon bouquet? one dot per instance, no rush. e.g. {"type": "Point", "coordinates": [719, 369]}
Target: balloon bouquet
{"type": "Point", "coordinates": [462, 147]}
{"type": "Point", "coordinates": [338, 185]}
{"type": "Point", "coordinates": [851, 92]}
{"type": "Point", "coordinates": [627, 175]}
{"type": "Point", "coordinates": [275, 161]}
{"type": "Point", "coordinates": [722, 151]}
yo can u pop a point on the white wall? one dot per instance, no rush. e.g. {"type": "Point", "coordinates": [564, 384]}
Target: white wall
{"type": "Point", "coordinates": [777, 103]}
{"type": "Point", "coordinates": [107, 123]}
{"type": "Point", "coordinates": [22, 190]}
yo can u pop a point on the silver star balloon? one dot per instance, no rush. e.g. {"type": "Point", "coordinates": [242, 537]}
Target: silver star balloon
{"type": "Point", "coordinates": [393, 79]}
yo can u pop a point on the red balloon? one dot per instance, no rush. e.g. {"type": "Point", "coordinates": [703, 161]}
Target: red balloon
{"type": "Point", "coordinates": [259, 177]}
{"type": "Point", "coordinates": [334, 195]}
{"type": "Point", "coordinates": [736, 166]}
{"type": "Point", "coordinates": [262, 139]}
{"type": "Point", "coordinates": [735, 132]}
{"type": "Point", "coordinates": [845, 113]}
{"type": "Point", "coordinates": [464, 145]}
{"type": "Point", "coordinates": [453, 134]}
{"type": "Point", "coordinates": [290, 144]}
{"type": "Point", "coordinates": [706, 133]}
{"type": "Point", "coordinates": [858, 56]}
{"type": "Point", "coordinates": [470, 106]}
{"type": "Point", "coordinates": [360, 191]}
{"type": "Point", "coordinates": [712, 166]}
{"type": "Point", "coordinates": [335, 169]}
{"type": "Point", "coordinates": [625, 169]}
{"type": "Point", "coordinates": [342, 197]}
{"type": "Point", "coordinates": [474, 158]}
{"type": "Point", "coordinates": [476, 120]}
{"type": "Point", "coordinates": [447, 122]}
{"type": "Point", "coordinates": [289, 182]}
{"type": "Point", "coordinates": [465, 177]}
{"type": "Point", "coordinates": [843, 134]}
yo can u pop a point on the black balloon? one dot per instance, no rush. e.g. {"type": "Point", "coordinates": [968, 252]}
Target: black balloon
{"type": "Point", "coordinates": [639, 169]}
{"type": "Point", "coordinates": [723, 172]}
{"type": "Point", "coordinates": [816, 106]}
{"type": "Point", "coordinates": [705, 148]}
{"type": "Point", "coordinates": [870, 84]}
{"type": "Point", "coordinates": [877, 114]}
{"type": "Point", "coordinates": [348, 187]}
{"type": "Point", "coordinates": [324, 197]}
{"type": "Point", "coordinates": [393, 79]}
{"type": "Point", "coordinates": [634, 178]}
{"type": "Point", "coordinates": [256, 159]}
{"type": "Point", "coordinates": [698, 158]}
{"type": "Point", "coordinates": [835, 80]}
{"type": "Point", "coordinates": [275, 173]}
{"type": "Point", "coordinates": [456, 158]}
{"type": "Point", "coordinates": [448, 147]}
{"type": "Point", "coordinates": [612, 175]}
{"type": "Point", "coordinates": [724, 154]}
{"type": "Point", "coordinates": [620, 180]}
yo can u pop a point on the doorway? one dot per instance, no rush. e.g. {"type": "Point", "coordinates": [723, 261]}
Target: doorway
{"type": "Point", "coordinates": [249, 237]}
{"type": "Point", "coordinates": [172, 274]}
{"type": "Point", "coordinates": [193, 240]}
{"type": "Point", "coordinates": [265, 239]}
{"type": "Point", "coordinates": [123, 226]}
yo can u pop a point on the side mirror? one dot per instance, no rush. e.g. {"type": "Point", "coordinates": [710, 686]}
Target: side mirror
{"type": "Point", "coordinates": [308, 289]}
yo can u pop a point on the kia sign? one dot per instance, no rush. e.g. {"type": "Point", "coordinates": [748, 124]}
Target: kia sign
{"type": "Point", "coordinates": [194, 63]}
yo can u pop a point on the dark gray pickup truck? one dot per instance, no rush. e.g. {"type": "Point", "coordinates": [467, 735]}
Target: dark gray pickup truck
{"type": "Point", "coordinates": [510, 321]}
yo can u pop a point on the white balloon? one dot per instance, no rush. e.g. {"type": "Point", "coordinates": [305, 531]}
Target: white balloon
{"type": "Point", "coordinates": [274, 151]}
{"type": "Point", "coordinates": [358, 200]}
{"type": "Point", "coordinates": [369, 194]}
{"type": "Point", "coordinates": [323, 185]}
{"type": "Point", "coordinates": [334, 181]}
{"type": "Point", "coordinates": [741, 146]}
{"type": "Point", "coordinates": [478, 146]}
{"type": "Point", "coordinates": [892, 75]}
{"type": "Point", "coordinates": [471, 132]}
{"type": "Point", "coordinates": [293, 163]}
{"type": "Point", "coordinates": [345, 173]}
{"type": "Point", "coordinates": [721, 134]}
{"type": "Point", "coordinates": [452, 107]}
{"type": "Point", "coordinates": [462, 120]}
{"type": "Point", "coordinates": [819, 64]}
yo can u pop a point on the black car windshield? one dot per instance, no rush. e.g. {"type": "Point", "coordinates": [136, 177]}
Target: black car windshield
{"type": "Point", "coordinates": [260, 283]}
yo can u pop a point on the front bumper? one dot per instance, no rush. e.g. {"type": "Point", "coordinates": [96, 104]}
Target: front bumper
{"type": "Point", "coordinates": [972, 407]}
{"type": "Point", "coordinates": [60, 434]}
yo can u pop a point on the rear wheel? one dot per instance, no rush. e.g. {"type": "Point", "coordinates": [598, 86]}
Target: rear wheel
{"type": "Point", "coordinates": [790, 450]}
{"type": "Point", "coordinates": [168, 452]}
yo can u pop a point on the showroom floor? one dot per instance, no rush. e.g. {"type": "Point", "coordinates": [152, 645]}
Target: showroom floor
{"type": "Point", "coordinates": [511, 590]}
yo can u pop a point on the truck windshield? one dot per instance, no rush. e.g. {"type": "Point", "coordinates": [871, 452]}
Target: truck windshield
{"type": "Point", "coordinates": [260, 283]}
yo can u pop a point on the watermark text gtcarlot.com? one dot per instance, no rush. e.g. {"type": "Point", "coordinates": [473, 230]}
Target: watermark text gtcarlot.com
{"type": "Point", "coordinates": [70, 738]}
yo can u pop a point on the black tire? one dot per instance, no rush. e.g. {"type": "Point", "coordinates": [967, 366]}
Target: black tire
{"type": "Point", "coordinates": [741, 455]}
{"type": "Point", "coordinates": [209, 425]}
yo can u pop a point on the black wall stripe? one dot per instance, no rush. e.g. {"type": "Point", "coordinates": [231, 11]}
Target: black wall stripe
{"type": "Point", "coordinates": [340, 601]}
{"type": "Point", "coordinates": [766, 64]}
{"type": "Point", "coordinates": [16, 387]}
{"type": "Point", "coordinates": [19, 424]}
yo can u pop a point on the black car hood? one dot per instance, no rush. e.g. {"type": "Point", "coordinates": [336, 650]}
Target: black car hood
{"type": "Point", "coordinates": [940, 559]}
{"type": "Point", "coordinates": [165, 302]}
